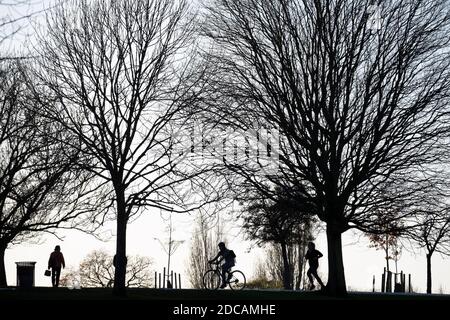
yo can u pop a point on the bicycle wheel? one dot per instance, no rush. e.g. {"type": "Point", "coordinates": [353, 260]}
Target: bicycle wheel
{"type": "Point", "coordinates": [237, 281]}
{"type": "Point", "coordinates": [211, 280]}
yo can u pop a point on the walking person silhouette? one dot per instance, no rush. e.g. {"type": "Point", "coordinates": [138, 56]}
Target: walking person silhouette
{"type": "Point", "coordinates": [313, 255]}
{"type": "Point", "coordinates": [55, 262]}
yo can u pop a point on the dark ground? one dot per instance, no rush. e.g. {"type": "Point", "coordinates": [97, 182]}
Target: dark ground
{"type": "Point", "coordinates": [163, 303]}
{"type": "Point", "coordinates": [45, 293]}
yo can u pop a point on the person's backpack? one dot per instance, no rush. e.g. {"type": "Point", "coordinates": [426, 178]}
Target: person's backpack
{"type": "Point", "coordinates": [232, 254]}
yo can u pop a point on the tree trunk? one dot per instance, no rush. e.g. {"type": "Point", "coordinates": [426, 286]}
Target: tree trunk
{"type": "Point", "coordinates": [121, 244]}
{"type": "Point", "coordinates": [429, 273]}
{"type": "Point", "coordinates": [336, 276]}
{"type": "Point", "coordinates": [287, 283]}
{"type": "Point", "coordinates": [3, 283]}
{"type": "Point", "coordinates": [300, 258]}
{"type": "Point", "coordinates": [386, 251]}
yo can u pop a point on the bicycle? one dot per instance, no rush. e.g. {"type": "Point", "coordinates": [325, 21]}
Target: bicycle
{"type": "Point", "coordinates": [213, 278]}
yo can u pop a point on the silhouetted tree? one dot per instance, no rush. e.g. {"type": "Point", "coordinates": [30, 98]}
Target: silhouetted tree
{"type": "Point", "coordinates": [262, 278]}
{"type": "Point", "coordinates": [276, 260]}
{"type": "Point", "coordinates": [97, 270]}
{"type": "Point", "coordinates": [119, 78]}
{"type": "Point", "coordinates": [432, 233]}
{"type": "Point", "coordinates": [40, 187]}
{"type": "Point", "coordinates": [307, 231]}
{"type": "Point", "coordinates": [387, 240]}
{"type": "Point", "coordinates": [358, 107]}
{"type": "Point", "coordinates": [208, 232]}
{"type": "Point", "coordinates": [10, 25]}
{"type": "Point", "coordinates": [278, 220]}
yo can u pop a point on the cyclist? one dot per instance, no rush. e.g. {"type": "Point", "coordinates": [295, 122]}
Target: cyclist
{"type": "Point", "coordinates": [228, 256]}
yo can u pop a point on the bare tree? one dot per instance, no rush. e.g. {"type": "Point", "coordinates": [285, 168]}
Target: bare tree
{"type": "Point", "coordinates": [307, 231]}
{"type": "Point", "coordinates": [359, 108]}
{"type": "Point", "coordinates": [170, 246]}
{"type": "Point", "coordinates": [386, 239]}
{"type": "Point", "coordinates": [279, 221]}
{"type": "Point", "coordinates": [432, 233]}
{"type": "Point", "coordinates": [207, 233]}
{"type": "Point", "coordinates": [70, 278]}
{"type": "Point", "coordinates": [15, 18]}
{"type": "Point", "coordinates": [280, 261]}
{"type": "Point", "coordinates": [119, 76]}
{"type": "Point", "coordinates": [262, 276]}
{"type": "Point", "coordinates": [9, 25]}
{"type": "Point", "coordinates": [271, 266]}
{"type": "Point", "coordinates": [41, 189]}
{"type": "Point", "coordinates": [97, 270]}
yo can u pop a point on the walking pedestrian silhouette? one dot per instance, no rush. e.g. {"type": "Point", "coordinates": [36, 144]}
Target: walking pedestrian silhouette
{"type": "Point", "coordinates": [55, 262]}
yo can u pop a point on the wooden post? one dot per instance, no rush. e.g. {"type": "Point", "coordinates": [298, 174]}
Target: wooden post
{"type": "Point", "coordinates": [176, 287]}
{"type": "Point", "coordinates": [171, 279]}
{"type": "Point", "coordinates": [409, 283]}
{"type": "Point", "coordinates": [179, 281]}
{"type": "Point", "coordinates": [373, 284]}
{"type": "Point", "coordinates": [383, 282]}
{"type": "Point", "coordinates": [389, 282]}
{"type": "Point", "coordinates": [156, 280]}
{"type": "Point", "coordinates": [402, 281]}
{"type": "Point", "coordinates": [390, 276]}
{"type": "Point", "coordinates": [159, 274]}
{"type": "Point", "coordinates": [164, 278]}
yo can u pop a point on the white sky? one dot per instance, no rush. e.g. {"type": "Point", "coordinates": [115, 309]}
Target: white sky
{"type": "Point", "coordinates": [361, 262]}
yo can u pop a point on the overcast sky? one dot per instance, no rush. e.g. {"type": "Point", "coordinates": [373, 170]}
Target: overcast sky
{"type": "Point", "coordinates": [361, 262]}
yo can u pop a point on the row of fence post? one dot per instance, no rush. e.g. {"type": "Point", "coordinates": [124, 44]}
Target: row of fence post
{"type": "Point", "coordinates": [399, 282]}
{"type": "Point", "coordinates": [167, 281]}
